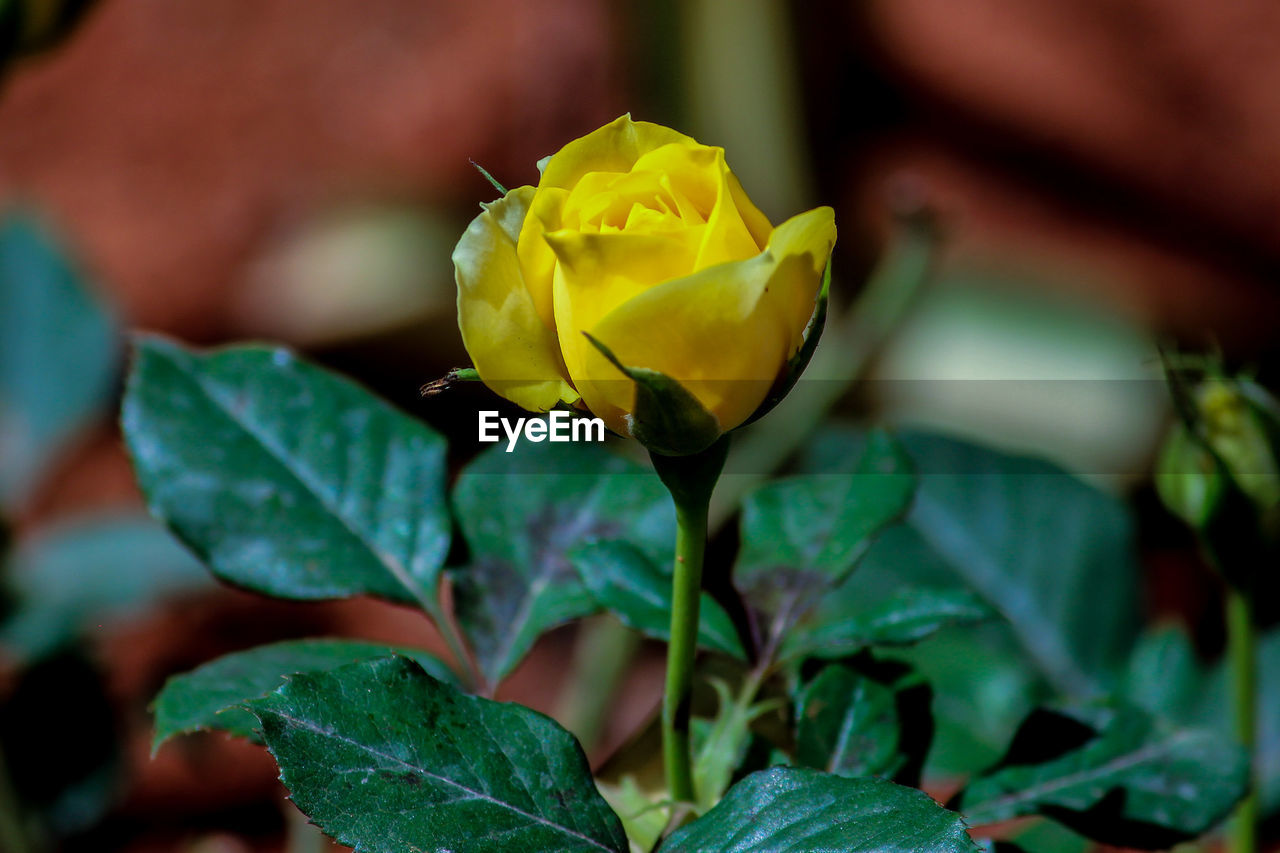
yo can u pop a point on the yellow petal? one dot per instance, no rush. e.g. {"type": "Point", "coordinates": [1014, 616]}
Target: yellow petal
{"type": "Point", "coordinates": [700, 173]}
{"type": "Point", "coordinates": [728, 237]}
{"type": "Point", "coordinates": [598, 272]}
{"type": "Point", "coordinates": [725, 332]}
{"type": "Point", "coordinates": [808, 237]}
{"type": "Point", "coordinates": [537, 261]}
{"type": "Point", "coordinates": [612, 148]}
{"type": "Point", "coordinates": [757, 223]}
{"type": "Point", "coordinates": [515, 352]}
{"type": "Point", "coordinates": [604, 201]}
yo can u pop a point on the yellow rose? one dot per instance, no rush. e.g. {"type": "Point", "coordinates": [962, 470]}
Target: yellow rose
{"type": "Point", "coordinates": [638, 242]}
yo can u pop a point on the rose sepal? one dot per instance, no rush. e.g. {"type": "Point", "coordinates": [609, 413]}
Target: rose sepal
{"type": "Point", "coordinates": [667, 419]}
{"type": "Point", "coordinates": [1190, 480]}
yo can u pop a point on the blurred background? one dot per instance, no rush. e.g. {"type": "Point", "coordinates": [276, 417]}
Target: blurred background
{"type": "Point", "coordinates": [1077, 181]}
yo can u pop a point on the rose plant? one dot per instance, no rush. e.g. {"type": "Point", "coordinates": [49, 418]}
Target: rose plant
{"type": "Point", "coordinates": [638, 283]}
{"type": "Point", "coordinates": [1219, 472]}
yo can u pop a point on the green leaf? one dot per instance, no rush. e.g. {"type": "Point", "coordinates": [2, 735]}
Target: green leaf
{"type": "Point", "coordinates": [286, 479]}
{"type": "Point", "coordinates": [627, 583]}
{"type": "Point", "coordinates": [1053, 555]}
{"type": "Point", "coordinates": [58, 354]}
{"type": "Point", "coordinates": [1045, 836]}
{"type": "Point", "coordinates": [983, 687]}
{"type": "Point", "coordinates": [865, 717]}
{"type": "Point", "coordinates": [723, 745]}
{"type": "Point", "coordinates": [644, 814]}
{"type": "Point", "coordinates": [522, 513]}
{"type": "Point", "coordinates": [847, 724]}
{"type": "Point", "coordinates": [490, 178]}
{"type": "Point", "coordinates": [1215, 712]}
{"type": "Point", "coordinates": [906, 617]}
{"type": "Point", "coordinates": [206, 697]}
{"type": "Point", "coordinates": [788, 810]}
{"type": "Point", "coordinates": [416, 765]}
{"type": "Point", "coordinates": [666, 419]}
{"type": "Point", "coordinates": [80, 573]}
{"type": "Point", "coordinates": [1164, 676]}
{"type": "Point", "coordinates": [1113, 774]}
{"type": "Point", "coordinates": [983, 681]}
{"type": "Point", "coordinates": [802, 536]}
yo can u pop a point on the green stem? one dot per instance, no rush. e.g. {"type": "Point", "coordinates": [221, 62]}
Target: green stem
{"type": "Point", "coordinates": [1242, 662]}
{"type": "Point", "coordinates": [447, 625]}
{"type": "Point", "coordinates": [691, 480]}
{"type": "Point", "coordinates": [691, 542]}
{"type": "Point", "coordinates": [13, 835]}
{"type": "Point", "coordinates": [444, 624]}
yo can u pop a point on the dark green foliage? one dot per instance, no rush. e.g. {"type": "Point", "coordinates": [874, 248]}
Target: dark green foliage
{"type": "Point", "coordinates": [58, 354]}
{"type": "Point", "coordinates": [624, 581]}
{"type": "Point", "coordinates": [904, 618]}
{"type": "Point", "coordinates": [522, 513]}
{"type": "Point", "coordinates": [285, 478]}
{"type": "Point", "coordinates": [864, 718]}
{"type": "Point", "coordinates": [416, 765]}
{"type": "Point", "coordinates": [789, 810]}
{"type": "Point", "coordinates": [80, 573]}
{"type": "Point", "coordinates": [209, 697]}
{"type": "Point", "coordinates": [801, 537]}
{"type": "Point", "coordinates": [1114, 774]}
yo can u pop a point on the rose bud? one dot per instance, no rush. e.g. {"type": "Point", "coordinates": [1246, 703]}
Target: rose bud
{"type": "Point", "coordinates": [638, 282]}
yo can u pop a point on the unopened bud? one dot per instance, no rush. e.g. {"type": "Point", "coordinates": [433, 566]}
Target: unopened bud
{"type": "Point", "coordinates": [1188, 479]}
{"type": "Point", "coordinates": [1235, 427]}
